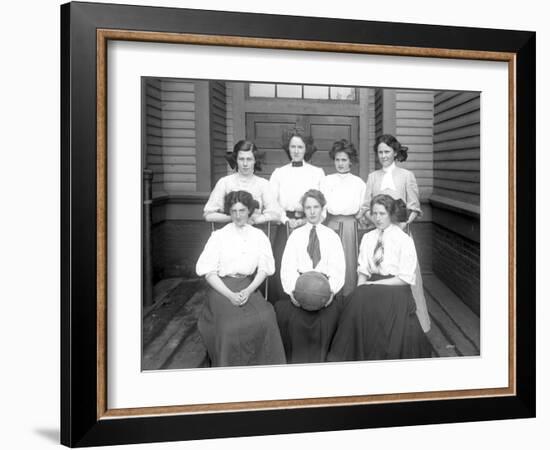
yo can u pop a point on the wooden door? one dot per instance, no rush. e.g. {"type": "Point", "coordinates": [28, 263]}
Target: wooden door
{"type": "Point", "coordinates": [266, 131]}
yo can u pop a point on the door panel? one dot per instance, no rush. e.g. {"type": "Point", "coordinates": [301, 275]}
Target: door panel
{"type": "Point", "coordinates": [266, 131]}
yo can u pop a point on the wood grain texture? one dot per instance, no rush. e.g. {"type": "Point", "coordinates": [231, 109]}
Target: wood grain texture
{"type": "Point", "coordinates": [103, 35]}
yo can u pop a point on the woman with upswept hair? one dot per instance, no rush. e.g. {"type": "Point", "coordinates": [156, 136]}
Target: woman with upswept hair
{"type": "Point", "coordinates": [379, 320]}
{"type": "Point", "coordinates": [400, 184]}
{"type": "Point", "coordinates": [245, 159]}
{"type": "Point", "coordinates": [289, 183]}
{"type": "Point", "coordinates": [344, 193]}
{"type": "Point", "coordinates": [237, 325]}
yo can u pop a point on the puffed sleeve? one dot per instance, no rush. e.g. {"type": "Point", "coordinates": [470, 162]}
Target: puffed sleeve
{"type": "Point", "coordinates": [413, 202]}
{"type": "Point", "coordinates": [266, 263]}
{"type": "Point", "coordinates": [289, 264]}
{"type": "Point", "coordinates": [275, 184]}
{"type": "Point", "coordinates": [363, 259]}
{"type": "Point", "coordinates": [368, 192]}
{"type": "Point", "coordinates": [323, 187]}
{"type": "Point", "coordinates": [326, 187]}
{"type": "Point", "coordinates": [337, 264]}
{"type": "Point", "coordinates": [215, 201]}
{"type": "Point", "coordinates": [320, 176]}
{"type": "Point", "coordinates": [362, 189]}
{"type": "Point", "coordinates": [269, 201]}
{"type": "Point", "coordinates": [407, 260]}
{"type": "Point", "coordinates": [209, 260]}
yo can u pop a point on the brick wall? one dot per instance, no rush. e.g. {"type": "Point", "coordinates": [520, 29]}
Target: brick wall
{"type": "Point", "coordinates": [422, 236]}
{"type": "Point", "coordinates": [456, 263]}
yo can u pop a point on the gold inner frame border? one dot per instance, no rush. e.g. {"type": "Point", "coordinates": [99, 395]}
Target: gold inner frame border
{"type": "Point", "coordinates": [104, 35]}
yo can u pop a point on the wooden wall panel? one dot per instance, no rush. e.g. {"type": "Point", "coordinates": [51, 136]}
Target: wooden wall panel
{"type": "Point", "coordinates": [457, 146]}
{"type": "Point", "coordinates": [170, 133]}
{"type": "Point", "coordinates": [414, 128]}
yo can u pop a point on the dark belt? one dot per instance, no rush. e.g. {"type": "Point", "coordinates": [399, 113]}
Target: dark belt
{"type": "Point", "coordinates": [294, 214]}
{"type": "Point", "coordinates": [377, 276]}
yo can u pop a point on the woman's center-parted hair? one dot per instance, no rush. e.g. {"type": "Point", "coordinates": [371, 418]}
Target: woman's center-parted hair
{"type": "Point", "coordinates": [387, 202]}
{"type": "Point", "coordinates": [245, 146]}
{"type": "Point", "coordinates": [243, 197]}
{"type": "Point", "coordinates": [307, 140]}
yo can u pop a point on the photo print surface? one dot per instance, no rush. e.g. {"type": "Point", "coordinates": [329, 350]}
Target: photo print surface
{"type": "Point", "coordinates": [305, 224]}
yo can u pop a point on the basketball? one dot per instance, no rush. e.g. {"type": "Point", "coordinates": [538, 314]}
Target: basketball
{"type": "Point", "coordinates": [312, 291]}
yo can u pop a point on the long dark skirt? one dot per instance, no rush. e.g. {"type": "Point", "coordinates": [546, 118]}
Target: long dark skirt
{"type": "Point", "coordinates": [379, 322]}
{"type": "Point", "coordinates": [276, 291]}
{"type": "Point", "coordinates": [240, 335]}
{"type": "Point", "coordinates": [307, 334]}
{"type": "Point", "coordinates": [349, 243]}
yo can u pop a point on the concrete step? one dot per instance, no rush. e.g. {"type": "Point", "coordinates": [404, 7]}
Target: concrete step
{"type": "Point", "coordinates": [458, 324]}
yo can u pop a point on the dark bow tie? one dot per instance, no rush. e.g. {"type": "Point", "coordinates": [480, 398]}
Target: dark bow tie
{"type": "Point", "coordinates": [297, 163]}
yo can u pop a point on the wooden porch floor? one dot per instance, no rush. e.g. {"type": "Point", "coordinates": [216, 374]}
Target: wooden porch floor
{"type": "Point", "coordinates": [171, 339]}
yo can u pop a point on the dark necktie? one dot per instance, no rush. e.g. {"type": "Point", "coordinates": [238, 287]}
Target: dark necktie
{"type": "Point", "coordinates": [378, 255]}
{"type": "Point", "coordinates": [297, 163]}
{"type": "Point", "coordinates": [313, 248]}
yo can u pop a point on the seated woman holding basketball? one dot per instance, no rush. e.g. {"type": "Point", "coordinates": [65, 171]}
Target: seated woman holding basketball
{"type": "Point", "coordinates": [379, 320]}
{"type": "Point", "coordinates": [312, 271]}
{"type": "Point", "coordinates": [237, 324]}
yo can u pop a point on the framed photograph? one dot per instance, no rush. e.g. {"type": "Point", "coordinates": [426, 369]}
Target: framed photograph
{"type": "Point", "coordinates": [203, 151]}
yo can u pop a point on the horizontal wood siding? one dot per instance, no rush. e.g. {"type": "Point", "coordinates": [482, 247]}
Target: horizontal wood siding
{"type": "Point", "coordinates": [457, 146]}
{"type": "Point", "coordinates": [372, 127]}
{"type": "Point", "coordinates": [229, 112]}
{"type": "Point", "coordinates": [414, 123]}
{"type": "Point", "coordinates": [218, 129]}
{"type": "Point", "coordinates": [153, 128]}
{"type": "Point", "coordinates": [171, 136]}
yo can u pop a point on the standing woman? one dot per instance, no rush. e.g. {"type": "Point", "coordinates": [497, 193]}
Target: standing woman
{"type": "Point", "coordinates": [344, 193]}
{"type": "Point", "coordinates": [289, 183]}
{"type": "Point", "coordinates": [245, 158]}
{"type": "Point", "coordinates": [314, 247]}
{"type": "Point", "coordinates": [401, 185]}
{"type": "Point", "coordinates": [237, 324]}
{"type": "Point", "coordinates": [379, 320]}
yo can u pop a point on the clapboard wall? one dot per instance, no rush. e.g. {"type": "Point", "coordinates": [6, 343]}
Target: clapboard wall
{"type": "Point", "coordinates": [456, 147]}
{"type": "Point", "coordinates": [372, 126]}
{"type": "Point", "coordinates": [218, 129]}
{"type": "Point", "coordinates": [414, 127]}
{"type": "Point", "coordinates": [171, 135]}
{"type": "Point", "coordinates": [153, 129]}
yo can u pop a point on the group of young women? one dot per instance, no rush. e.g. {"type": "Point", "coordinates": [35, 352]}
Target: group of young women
{"type": "Point", "coordinates": [376, 308]}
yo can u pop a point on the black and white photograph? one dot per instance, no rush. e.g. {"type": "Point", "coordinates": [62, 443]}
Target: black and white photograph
{"type": "Point", "coordinates": [306, 224]}
{"type": "Point", "coordinates": [163, 286]}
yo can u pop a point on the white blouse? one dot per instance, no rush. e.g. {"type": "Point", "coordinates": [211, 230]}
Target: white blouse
{"type": "Point", "coordinates": [259, 188]}
{"type": "Point", "coordinates": [234, 251]}
{"type": "Point", "coordinates": [296, 259]}
{"type": "Point", "coordinates": [399, 254]}
{"type": "Point", "coordinates": [290, 183]}
{"type": "Point", "coordinates": [387, 179]}
{"type": "Point", "coordinates": [344, 193]}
